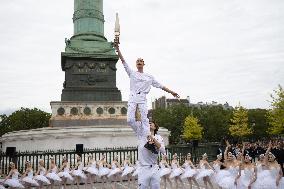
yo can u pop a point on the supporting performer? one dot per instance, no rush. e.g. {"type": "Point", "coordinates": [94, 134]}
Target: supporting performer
{"type": "Point", "coordinates": [140, 85]}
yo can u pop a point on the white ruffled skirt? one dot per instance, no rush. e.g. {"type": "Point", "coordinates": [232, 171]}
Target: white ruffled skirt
{"type": "Point", "coordinates": [65, 175]}
{"type": "Point", "coordinates": [53, 176]}
{"type": "Point", "coordinates": [204, 173]}
{"type": "Point", "coordinates": [176, 172]}
{"type": "Point", "coordinates": [103, 171]}
{"type": "Point", "coordinates": [135, 173]}
{"type": "Point", "coordinates": [188, 173]}
{"type": "Point", "coordinates": [113, 172]}
{"type": "Point", "coordinates": [31, 181]}
{"type": "Point", "coordinates": [14, 183]}
{"type": "Point", "coordinates": [127, 171]}
{"type": "Point", "coordinates": [281, 183]}
{"type": "Point", "coordinates": [264, 181]}
{"type": "Point", "coordinates": [79, 173]}
{"type": "Point", "coordinates": [226, 180]}
{"type": "Point", "coordinates": [42, 179]}
{"type": "Point", "coordinates": [92, 170]}
{"type": "Point", "coordinates": [165, 171]}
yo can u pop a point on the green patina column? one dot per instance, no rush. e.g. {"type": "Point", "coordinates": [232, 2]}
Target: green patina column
{"type": "Point", "coordinates": [88, 17]}
{"type": "Point", "coordinates": [89, 60]}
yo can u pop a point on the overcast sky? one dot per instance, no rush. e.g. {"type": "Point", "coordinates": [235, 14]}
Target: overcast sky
{"type": "Point", "coordinates": [222, 50]}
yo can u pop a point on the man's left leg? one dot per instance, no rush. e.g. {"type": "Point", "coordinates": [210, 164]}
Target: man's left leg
{"type": "Point", "coordinates": [144, 119]}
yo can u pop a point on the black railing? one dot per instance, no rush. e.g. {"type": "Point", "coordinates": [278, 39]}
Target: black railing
{"type": "Point", "coordinates": [21, 157]}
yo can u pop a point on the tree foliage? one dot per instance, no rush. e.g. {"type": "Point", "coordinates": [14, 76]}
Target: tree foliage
{"type": "Point", "coordinates": [275, 115]}
{"type": "Point", "coordinates": [215, 121]}
{"type": "Point", "coordinates": [239, 123]}
{"type": "Point", "coordinates": [192, 130]}
{"type": "Point", "coordinates": [24, 119]}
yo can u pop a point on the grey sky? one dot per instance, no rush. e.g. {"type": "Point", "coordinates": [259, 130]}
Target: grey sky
{"type": "Point", "coordinates": [221, 50]}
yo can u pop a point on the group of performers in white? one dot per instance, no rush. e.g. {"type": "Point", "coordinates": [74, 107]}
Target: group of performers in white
{"type": "Point", "coordinates": [236, 173]}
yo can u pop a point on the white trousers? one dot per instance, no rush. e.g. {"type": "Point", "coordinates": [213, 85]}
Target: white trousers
{"type": "Point", "coordinates": [143, 111]}
{"type": "Point", "coordinates": [149, 177]}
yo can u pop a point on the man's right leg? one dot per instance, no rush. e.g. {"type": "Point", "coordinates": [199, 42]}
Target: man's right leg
{"type": "Point", "coordinates": [131, 115]}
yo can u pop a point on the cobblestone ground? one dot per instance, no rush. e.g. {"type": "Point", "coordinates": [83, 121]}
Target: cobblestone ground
{"type": "Point", "coordinates": [125, 185]}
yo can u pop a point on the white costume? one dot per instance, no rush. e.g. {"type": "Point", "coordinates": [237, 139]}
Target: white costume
{"type": "Point", "coordinates": [264, 179]}
{"type": "Point", "coordinates": [127, 169]}
{"type": "Point", "coordinates": [203, 172]}
{"type": "Point", "coordinates": [29, 179]}
{"type": "Point", "coordinates": [227, 177]}
{"type": "Point", "coordinates": [164, 169]}
{"type": "Point", "coordinates": [188, 171]}
{"type": "Point", "coordinates": [65, 173]}
{"type": "Point", "coordinates": [246, 177]}
{"type": "Point", "coordinates": [216, 177]}
{"type": "Point", "coordinates": [114, 170]}
{"type": "Point", "coordinates": [148, 174]}
{"type": "Point", "coordinates": [103, 171]}
{"type": "Point", "coordinates": [92, 169]}
{"type": "Point", "coordinates": [41, 176]}
{"type": "Point", "coordinates": [176, 171]}
{"type": "Point", "coordinates": [14, 181]}
{"type": "Point", "coordinates": [53, 176]}
{"type": "Point", "coordinates": [79, 171]}
{"type": "Point", "coordinates": [140, 85]}
{"type": "Point", "coordinates": [136, 169]}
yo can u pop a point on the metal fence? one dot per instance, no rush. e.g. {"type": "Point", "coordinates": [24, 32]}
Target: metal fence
{"type": "Point", "coordinates": [21, 157]}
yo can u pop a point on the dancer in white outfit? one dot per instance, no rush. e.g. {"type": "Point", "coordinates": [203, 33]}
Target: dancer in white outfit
{"type": "Point", "coordinates": [40, 175]}
{"type": "Point", "coordinates": [115, 170]}
{"type": "Point", "coordinates": [136, 169]}
{"type": "Point", "coordinates": [92, 170]}
{"type": "Point", "coordinates": [103, 169]}
{"type": "Point", "coordinates": [127, 170]}
{"type": "Point", "coordinates": [28, 179]}
{"type": "Point", "coordinates": [52, 173]}
{"type": "Point", "coordinates": [275, 171]}
{"type": "Point", "coordinates": [64, 172]}
{"type": "Point", "coordinates": [165, 171]}
{"type": "Point", "coordinates": [78, 172]}
{"type": "Point", "coordinates": [205, 171]}
{"type": "Point", "coordinates": [229, 174]}
{"type": "Point", "coordinates": [176, 171]}
{"type": "Point", "coordinates": [12, 180]}
{"type": "Point", "coordinates": [247, 173]}
{"type": "Point", "coordinates": [217, 167]}
{"type": "Point", "coordinates": [189, 171]}
{"type": "Point", "coordinates": [140, 85]}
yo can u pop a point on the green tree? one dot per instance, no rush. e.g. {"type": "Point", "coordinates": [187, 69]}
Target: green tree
{"type": "Point", "coordinates": [172, 119]}
{"type": "Point", "coordinates": [239, 123]}
{"type": "Point", "coordinates": [192, 130]}
{"type": "Point", "coordinates": [215, 120]}
{"type": "Point", "coordinates": [24, 119]}
{"type": "Point", "coordinates": [276, 114]}
{"type": "Point", "coordinates": [258, 121]}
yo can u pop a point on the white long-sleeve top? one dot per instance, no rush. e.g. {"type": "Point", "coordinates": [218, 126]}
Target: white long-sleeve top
{"type": "Point", "coordinates": [145, 156]}
{"type": "Point", "coordinates": [140, 84]}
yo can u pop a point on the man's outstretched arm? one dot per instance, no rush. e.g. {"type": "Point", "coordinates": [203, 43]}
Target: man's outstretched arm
{"type": "Point", "coordinates": [170, 91]}
{"type": "Point", "coordinates": [116, 46]}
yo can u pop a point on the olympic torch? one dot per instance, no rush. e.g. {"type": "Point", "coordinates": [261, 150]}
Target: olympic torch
{"type": "Point", "coordinates": [116, 30]}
